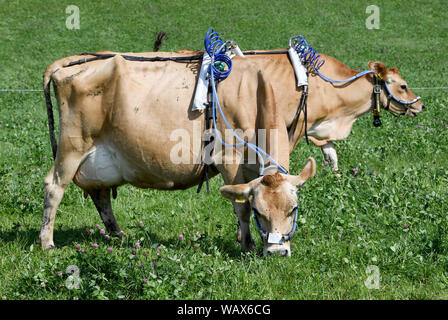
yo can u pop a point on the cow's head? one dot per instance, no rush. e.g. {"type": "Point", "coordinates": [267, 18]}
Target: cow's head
{"type": "Point", "coordinates": [273, 199]}
{"type": "Point", "coordinates": [399, 89]}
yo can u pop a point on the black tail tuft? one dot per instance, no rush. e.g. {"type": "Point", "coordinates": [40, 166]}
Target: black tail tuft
{"type": "Point", "coordinates": [159, 39]}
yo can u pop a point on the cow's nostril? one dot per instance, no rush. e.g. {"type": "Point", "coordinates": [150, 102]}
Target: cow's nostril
{"type": "Point", "coordinates": [423, 107]}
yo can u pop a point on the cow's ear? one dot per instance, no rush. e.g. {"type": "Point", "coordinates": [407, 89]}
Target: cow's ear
{"type": "Point", "coordinates": [379, 68]}
{"type": "Point", "coordinates": [308, 172]}
{"type": "Point", "coordinates": [394, 70]}
{"type": "Point", "coordinates": [237, 192]}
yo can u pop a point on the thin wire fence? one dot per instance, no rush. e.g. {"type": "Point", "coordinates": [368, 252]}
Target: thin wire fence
{"type": "Point", "coordinates": [40, 90]}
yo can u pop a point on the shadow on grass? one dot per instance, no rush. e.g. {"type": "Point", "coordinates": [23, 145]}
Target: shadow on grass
{"type": "Point", "coordinates": [30, 236]}
{"type": "Point", "coordinates": [69, 237]}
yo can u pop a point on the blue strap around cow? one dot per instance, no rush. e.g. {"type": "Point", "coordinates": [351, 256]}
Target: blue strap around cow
{"type": "Point", "coordinates": [398, 100]}
{"type": "Point", "coordinates": [283, 238]}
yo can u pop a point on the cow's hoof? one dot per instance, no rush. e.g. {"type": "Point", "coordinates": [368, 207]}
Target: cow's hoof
{"type": "Point", "coordinates": [252, 246]}
{"type": "Point", "coordinates": [45, 245]}
{"type": "Point", "coordinates": [50, 246]}
{"type": "Point", "coordinates": [249, 245]}
{"type": "Point", "coordinates": [334, 166]}
{"type": "Point", "coordinates": [115, 232]}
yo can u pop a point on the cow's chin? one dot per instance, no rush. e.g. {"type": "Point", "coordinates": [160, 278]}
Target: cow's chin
{"type": "Point", "coordinates": [411, 113]}
{"type": "Point", "coordinates": [406, 112]}
{"type": "Point", "coordinates": [283, 250]}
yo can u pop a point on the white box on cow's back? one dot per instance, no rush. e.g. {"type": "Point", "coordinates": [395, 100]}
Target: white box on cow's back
{"type": "Point", "coordinates": [299, 68]}
{"type": "Point", "coordinates": [200, 95]}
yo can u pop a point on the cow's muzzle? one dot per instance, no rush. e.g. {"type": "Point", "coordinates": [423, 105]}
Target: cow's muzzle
{"type": "Point", "coordinates": [282, 250]}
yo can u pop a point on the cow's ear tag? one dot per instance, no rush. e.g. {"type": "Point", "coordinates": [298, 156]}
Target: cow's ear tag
{"type": "Point", "coordinates": [240, 200]}
{"type": "Point", "coordinates": [275, 238]}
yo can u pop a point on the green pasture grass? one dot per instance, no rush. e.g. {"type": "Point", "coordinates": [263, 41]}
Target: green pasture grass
{"type": "Point", "coordinates": [392, 214]}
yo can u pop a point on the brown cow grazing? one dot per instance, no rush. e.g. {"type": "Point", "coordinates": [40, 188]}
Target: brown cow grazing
{"type": "Point", "coordinates": [117, 122]}
{"type": "Point", "coordinates": [117, 119]}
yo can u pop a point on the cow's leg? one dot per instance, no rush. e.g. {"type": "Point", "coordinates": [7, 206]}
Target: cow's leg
{"type": "Point", "coordinates": [242, 211]}
{"type": "Point", "coordinates": [55, 184]}
{"type": "Point", "coordinates": [232, 173]}
{"type": "Point", "coordinates": [101, 199]}
{"type": "Point", "coordinates": [330, 155]}
{"type": "Point", "coordinates": [270, 134]}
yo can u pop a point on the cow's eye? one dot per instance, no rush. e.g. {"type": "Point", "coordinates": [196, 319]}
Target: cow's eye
{"type": "Point", "coordinates": [403, 86]}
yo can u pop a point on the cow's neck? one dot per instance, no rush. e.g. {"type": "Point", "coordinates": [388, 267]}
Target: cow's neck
{"type": "Point", "coordinates": [334, 108]}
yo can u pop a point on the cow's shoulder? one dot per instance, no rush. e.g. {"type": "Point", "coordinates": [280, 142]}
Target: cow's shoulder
{"type": "Point", "coordinates": [82, 77]}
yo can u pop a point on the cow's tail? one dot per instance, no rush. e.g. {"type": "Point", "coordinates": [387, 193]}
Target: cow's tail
{"type": "Point", "coordinates": [159, 39]}
{"type": "Point", "coordinates": [47, 85]}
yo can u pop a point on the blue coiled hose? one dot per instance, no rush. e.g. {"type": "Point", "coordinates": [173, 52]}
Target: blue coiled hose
{"type": "Point", "coordinates": [307, 53]}
{"type": "Point", "coordinates": [311, 57]}
{"type": "Point", "coordinates": [216, 49]}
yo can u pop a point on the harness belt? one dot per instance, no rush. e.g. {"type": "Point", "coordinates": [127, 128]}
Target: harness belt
{"type": "Point", "coordinates": [377, 106]}
{"type": "Point", "coordinates": [378, 86]}
{"type": "Point", "coordinates": [275, 237]}
{"type": "Point", "coordinates": [210, 141]}
{"type": "Point", "coordinates": [303, 106]}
